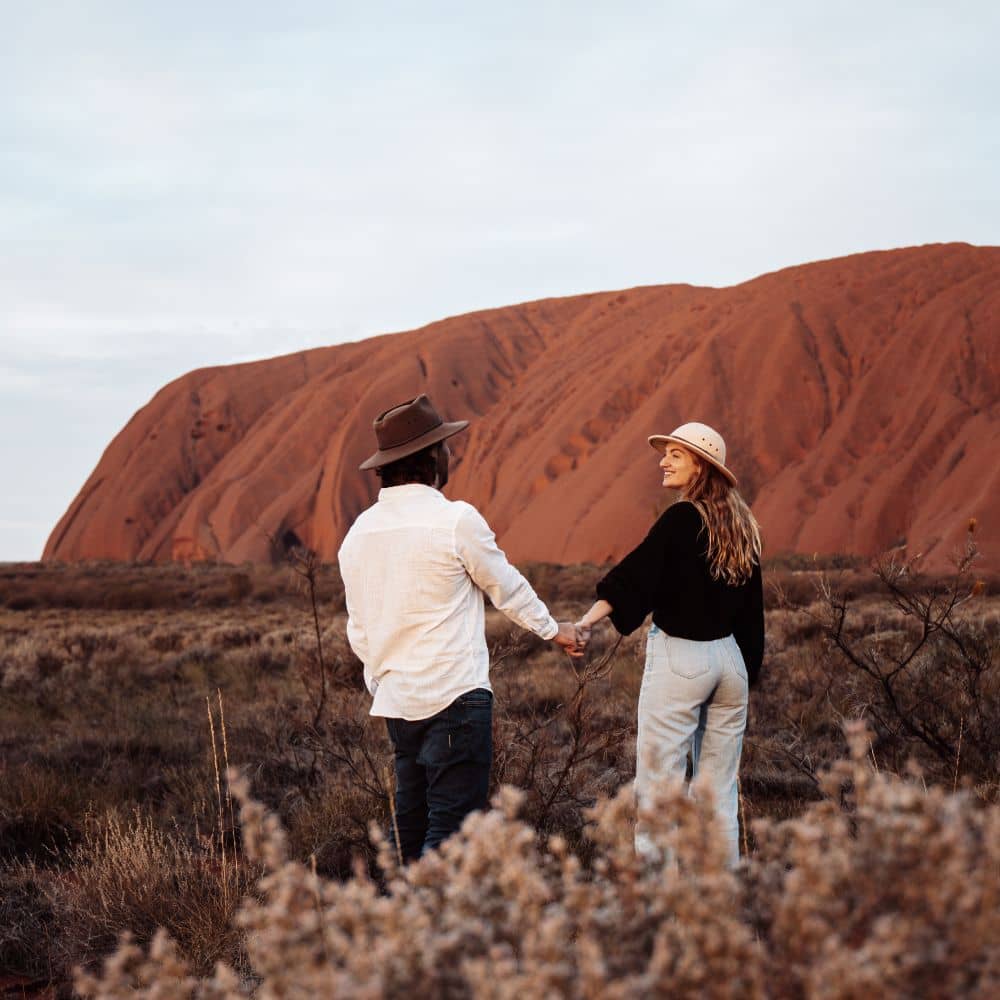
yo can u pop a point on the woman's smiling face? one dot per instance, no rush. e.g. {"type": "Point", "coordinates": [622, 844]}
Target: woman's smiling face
{"type": "Point", "coordinates": [679, 466]}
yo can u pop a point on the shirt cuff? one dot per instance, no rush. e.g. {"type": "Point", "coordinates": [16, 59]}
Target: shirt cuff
{"type": "Point", "coordinates": [551, 630]}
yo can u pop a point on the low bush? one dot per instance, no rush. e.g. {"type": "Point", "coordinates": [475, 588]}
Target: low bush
{"type": "Point", "coordinates": [26, 925]}
{"type": "Point", "coordinates": [883, 888]}
{"type": "Point", "coordinates": [127, 874]}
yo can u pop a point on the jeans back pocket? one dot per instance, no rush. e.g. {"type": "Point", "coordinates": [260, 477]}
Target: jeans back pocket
{"type": "Point", "coordinates": [688, 659]}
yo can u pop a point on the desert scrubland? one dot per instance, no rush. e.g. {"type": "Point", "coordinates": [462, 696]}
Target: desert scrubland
{"type": "Point", "coordinates": [872, 847]}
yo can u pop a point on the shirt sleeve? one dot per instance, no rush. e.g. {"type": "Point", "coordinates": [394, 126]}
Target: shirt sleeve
{"type": "Point", "coordinates": [357, 637]}
{"type": "Point", "coordinates": [489, 569]}
{"type": "Point", "coordinates": [632, 586]}
{"type": "Point", "coordinates": [749, 628]}
{"type": "Point", "coordinates": [358, 641]}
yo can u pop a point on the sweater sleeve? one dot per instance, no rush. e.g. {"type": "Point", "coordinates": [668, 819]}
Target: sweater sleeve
{"type": "Point", "coordinates": [749, 628]}
{"type": "Point", "coordinates": [631, 586]}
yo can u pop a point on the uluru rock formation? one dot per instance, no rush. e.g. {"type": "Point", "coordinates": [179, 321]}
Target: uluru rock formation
{"type": "Point", "coordinates": [858, 397]}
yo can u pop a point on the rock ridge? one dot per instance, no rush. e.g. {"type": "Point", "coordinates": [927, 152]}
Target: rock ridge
{"type": "Point", "coordinates": [858, 396]}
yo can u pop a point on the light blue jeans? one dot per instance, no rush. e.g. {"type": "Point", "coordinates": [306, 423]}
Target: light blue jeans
{"type": "Point", "coordinates": [693, 701]}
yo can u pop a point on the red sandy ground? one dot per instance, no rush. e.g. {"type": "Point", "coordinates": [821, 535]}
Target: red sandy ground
{"type": "Point", "coordinates": [858, 397]}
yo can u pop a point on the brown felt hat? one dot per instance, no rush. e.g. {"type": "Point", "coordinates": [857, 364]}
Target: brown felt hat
{"type": "Point", "coordinates": [408, 428]}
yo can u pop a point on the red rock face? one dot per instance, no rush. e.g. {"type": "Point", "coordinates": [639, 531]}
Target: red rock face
{"type": "Point", "coordinates": [858, 398]}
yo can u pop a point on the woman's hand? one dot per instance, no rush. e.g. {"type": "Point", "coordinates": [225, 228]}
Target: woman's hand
{"type": "Point", "coordinates": [568, 638]}
{"type": "Point", "coordinates": [599, 609]}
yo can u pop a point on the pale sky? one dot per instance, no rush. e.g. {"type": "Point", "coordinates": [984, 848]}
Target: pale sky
{"type": "Point", "coordinates": [185, 184]}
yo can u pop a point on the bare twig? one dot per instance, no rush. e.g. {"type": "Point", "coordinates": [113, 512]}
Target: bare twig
{"type": "Point", "coordinates": [305, 563]}
{"type": "Point", "coordinates": [390, 786]}
{"type": "Point", "coordinates": [218, 793]}
{"type": "Point", "coordinates": [229, 795]}
{"type": "Point", "coordinates": [743, 819]}
{"type": "Point", "coordinates": [925, 684]}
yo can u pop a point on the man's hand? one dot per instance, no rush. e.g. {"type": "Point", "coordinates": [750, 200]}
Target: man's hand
{"type": "Point", "coordinates": [568, 637]}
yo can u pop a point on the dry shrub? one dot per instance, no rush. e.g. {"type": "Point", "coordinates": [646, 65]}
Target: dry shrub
{"type": "Point", "coordinates": [42, 664]}
{"type": "Point", "coordinates": [29, 660]}
{"type": "Point", "coordinates": [330, 825]}
{"type": "Point", "coordinates": [240, 586]}
{"type": "Point", "coordinates": [884, 888]}
{"type": "Point", "coordinates": [801, 562]}
{"type": "Point", "coordinates": [136, 596]}
{"type": "Point", "coordinates": [497, 912]}
{"type": "Point", "coordinates": [130, 875]}
{"type": "Point", "coordinates": [258, 661]}
{"type": "Point", "coordinates": [564, 584]}
{"type": "Point", "coordinates": [144, 586]}
{"type": "Point", "coordinates": [563, 733]}
{"type": "Point", "coordinates": [40, 813]}
{"type": "Point", "coordinates": [917, 658]}
{"type": "Point", "coordinates": [232, 635]}
{"type": "Point", "coordinates": [26, 919]}
{"type": "Point", "coordinates": [926, 672]}
{"type": "Point", "coordinates": [330, 782]}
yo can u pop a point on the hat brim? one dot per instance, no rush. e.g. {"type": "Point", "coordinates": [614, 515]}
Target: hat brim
{"type": "Point", "coordinates": [660, 442]}
{"type": "Point", "coordinates": [439, 433]}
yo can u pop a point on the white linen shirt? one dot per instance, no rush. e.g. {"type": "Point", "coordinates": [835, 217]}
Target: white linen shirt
{"type": "Point", "coordinates": [415, 566]}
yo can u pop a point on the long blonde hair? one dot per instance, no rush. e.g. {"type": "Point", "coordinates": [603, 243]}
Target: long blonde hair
{"type": "Point", "coordinates": [733, 532]}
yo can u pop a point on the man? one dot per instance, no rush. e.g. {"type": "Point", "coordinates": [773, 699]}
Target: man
{"type": "Point", "coordinates": [415, 567]}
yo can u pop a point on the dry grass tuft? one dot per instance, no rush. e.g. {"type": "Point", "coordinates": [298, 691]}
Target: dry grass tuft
{"type": "Point", "coordinates": [128, 873]}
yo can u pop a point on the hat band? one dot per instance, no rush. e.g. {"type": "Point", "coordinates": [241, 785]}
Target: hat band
{"type": "Point", "coordinates": [714, 459]}
{"type": "Point", "coordinates": [703, 451]}
{"type": "Point", "coordinates": [386, 445]}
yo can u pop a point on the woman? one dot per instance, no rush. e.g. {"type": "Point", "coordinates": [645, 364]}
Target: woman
{"type": "Point", "coordinates": [698, 571]}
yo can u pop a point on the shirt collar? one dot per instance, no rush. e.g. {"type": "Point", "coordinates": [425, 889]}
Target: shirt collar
{"type": "Point", "coordinates": [393, 493]}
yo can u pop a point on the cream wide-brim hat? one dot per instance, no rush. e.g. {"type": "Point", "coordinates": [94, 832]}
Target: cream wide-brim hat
{"type": "Point", "coordinates": [702, 440]}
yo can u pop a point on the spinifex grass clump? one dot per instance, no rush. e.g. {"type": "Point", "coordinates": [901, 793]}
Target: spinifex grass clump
{"type": "Point", "coordinates": [129, 873]}
{"type": "Point", "coordinates": [883, 888]}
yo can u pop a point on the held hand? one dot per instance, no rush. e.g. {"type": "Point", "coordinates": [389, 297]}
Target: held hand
{"type": "Point", "coordinates": [583, 631]}
{"type": "Point", "coordinates": [567, 638]}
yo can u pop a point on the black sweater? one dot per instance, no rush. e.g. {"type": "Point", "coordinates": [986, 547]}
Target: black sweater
{"type": "Point", "coordinates": [668, 574]}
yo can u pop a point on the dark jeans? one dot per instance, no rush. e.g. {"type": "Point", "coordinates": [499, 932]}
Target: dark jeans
{"type": "Point", "coordinates": [442, 770]}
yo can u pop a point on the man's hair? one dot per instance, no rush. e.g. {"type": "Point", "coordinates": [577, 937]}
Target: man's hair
{"type": "Point", "coordinates": [420, 467]}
